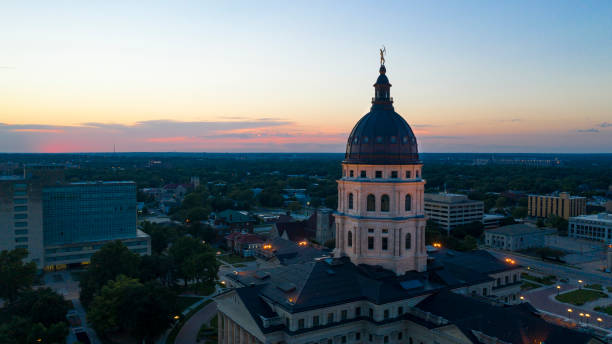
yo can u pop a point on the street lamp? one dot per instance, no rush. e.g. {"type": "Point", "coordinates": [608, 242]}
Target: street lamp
{"type": "Point", "coordinates": [558, 289]}
{"type": "Point", "coordinates": [581, 315]}
{"type": "Point", "coordinates": [522, 298]}
{"type": "Point", "coordinates": [587, 316]}
{"type": "Point", "coordinates": [599, 320]}
{"type": "Point", "coordinates": [579, 284]}
{"type": "Point", "coordinates": [569, 313]}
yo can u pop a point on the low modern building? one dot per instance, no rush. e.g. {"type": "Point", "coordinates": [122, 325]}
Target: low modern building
{"type": "Point", "coordinates": [490, 221]}
{"type": "Point", "coordinates": [593, 227]}
{"type": "Point", "coordinates": [452, 210]}
{"type": "Point", "coordinates": [516, 237]}
{"type": "Point", "coordinates": [563, 205]}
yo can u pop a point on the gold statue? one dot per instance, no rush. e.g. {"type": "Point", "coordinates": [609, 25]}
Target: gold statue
{"type": "Point", "coordinates": [383, 52]}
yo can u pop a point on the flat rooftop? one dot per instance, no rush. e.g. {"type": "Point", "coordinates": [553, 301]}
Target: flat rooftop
{"type": "Point", "coordinates": [601, 218]}
{"type": "Point", "coordinates": [448, 198]}
{"type": "Point", "coordinates": [517, 229]}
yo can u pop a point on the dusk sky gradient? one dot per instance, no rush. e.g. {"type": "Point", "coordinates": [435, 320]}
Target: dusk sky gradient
{"type": "Point", "coordinates": [287, 76]}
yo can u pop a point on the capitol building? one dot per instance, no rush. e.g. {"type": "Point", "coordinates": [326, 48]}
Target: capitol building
{"type": "Point", "coordinates": [383, 284]}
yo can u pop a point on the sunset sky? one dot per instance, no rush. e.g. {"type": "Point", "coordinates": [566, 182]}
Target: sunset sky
{"type": "Point", "coordinates": [295, 76]}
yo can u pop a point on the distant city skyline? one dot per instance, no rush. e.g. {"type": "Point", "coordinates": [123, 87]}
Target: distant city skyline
{"type": "Point", "coordinates": [468, 76]}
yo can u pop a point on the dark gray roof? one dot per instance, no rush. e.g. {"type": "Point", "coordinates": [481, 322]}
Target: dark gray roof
{"type": "Point", "coordinates": [471, 263]}
{"type": "Point", "coordinates": [335, 281]}
{"type": "Point", "coordinates": [382, 136]}
{"type": "Point", "coordinates": [517, 229]}
{"type": "Point", "coordinates": [516, 324]}
{"type": "Point", "coordinates": [288, 252]}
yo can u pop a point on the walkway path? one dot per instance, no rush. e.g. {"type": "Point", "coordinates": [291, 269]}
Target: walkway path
{"type": "Point", "coordinates": [544, 299]}
{"type": "Point", "coordinates": [189, 332]}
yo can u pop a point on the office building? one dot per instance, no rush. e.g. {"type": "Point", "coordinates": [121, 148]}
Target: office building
{"type": "Point", "coordinates": [452, 210]}
{"type": "Point", "coordinates": [79, 218]}
{"type": "Point", "coordinates": [562, 205]}
{"type": "Point", "coordinates": [65, 223]}
{"type": "Point", "coordinates": [593, 227]}
{"type": "Point", "coordinates": [21, 224]}
{"type": "Point", "coordinates": [381, 286]}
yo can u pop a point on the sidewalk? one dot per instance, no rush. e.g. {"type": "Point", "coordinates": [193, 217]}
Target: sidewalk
{"type": "Point", "coordinates": [189, 332]}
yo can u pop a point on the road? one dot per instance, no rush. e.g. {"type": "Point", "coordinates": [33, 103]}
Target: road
{"type": "Point", "coordinates": [189, 332]}
{"type": "Point", "coordinates": [562, 271]}
{"type": "Point", "coordinates": [544, 299]}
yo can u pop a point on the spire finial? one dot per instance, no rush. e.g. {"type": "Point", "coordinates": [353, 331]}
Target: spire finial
{"type": "Point", "coordinates": [383, 52]}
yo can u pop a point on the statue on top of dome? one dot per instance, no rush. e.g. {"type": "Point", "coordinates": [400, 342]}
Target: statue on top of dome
{"type": "Point", "coordinates": [383, 52]}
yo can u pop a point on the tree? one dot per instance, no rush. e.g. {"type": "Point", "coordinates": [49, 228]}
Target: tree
{"type": "Point", "coordinates": [331, 244]}
{"type": "Point", "coordinates": [197, 214]}
{"type": "Point", "coordinates": [156, 268]}
{"type": "Point", "coordinates": [124, 304]}
{"type": "Point", "coordinates": [15, 275]}
{"type": "Point", "coordinates": [112, 260]}
{"type": "Point", "coordinates": [519, 212]}
{"type": "Point", "coordinates": [103, 312]}
{"type": "Point", "coordinates": [42, 305]}
{"type": "Point", "coordinates": [193, 260]}
{"type": "Point", "coordinates": [145, 312]}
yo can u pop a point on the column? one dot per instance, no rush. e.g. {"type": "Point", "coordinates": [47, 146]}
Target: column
{"type": "Point", "coordinates": [226, 329]}
{"type": "Point", "coordinates": [220, 326]}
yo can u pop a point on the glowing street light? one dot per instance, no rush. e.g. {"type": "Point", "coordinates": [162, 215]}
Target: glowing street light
{"type": "Point", "coordinates": [599, 320]}
{"type": "Point", "coordinates": [569, 312]}
{"type": "Point", "coordinates": [522, 298]}
{"type": "Point", "coordinates": [436, 244]}
{"type": "Point", "coordinates": [558, 289]}
{"type": "Point", "coordinates": [177, 317]}
{"type": "Point", "coordinates": [579, 284]}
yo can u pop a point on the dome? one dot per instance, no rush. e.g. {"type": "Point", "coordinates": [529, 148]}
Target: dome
{"type": "Point", "coordinates": [382, 136]}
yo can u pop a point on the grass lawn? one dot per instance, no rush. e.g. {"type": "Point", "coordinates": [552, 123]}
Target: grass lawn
{"type": "Point", "coordinates": [529, 285]}
{"type": "Point", "coordinates": [604, 309]}
{"type": "Point", "coordinates": [547, 280]}
{"type": "Point", "coordinates": [609, 289]}
{"type": "Point", "coordinates": [185, 301]}
{"type": "Point", "coordinates": [594, 286]}
{"type": "Point", "coordinates": [234, 258]}
{"type": "Point", "coordinates": [580, 297]}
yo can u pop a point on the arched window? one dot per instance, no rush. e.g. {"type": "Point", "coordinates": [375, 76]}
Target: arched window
{"type": "Point", "coordinates": [350, 201]}
{"type": "Point", "coordinates": [408, 241]}
{"type": "Point", "coordinates": [384, 203]}
{"type": "Point", "coordinates": [349, 239]}
{"type": "Point", "coordinates": [408, 204]}
{"type": "Point", "coordinates": [371, 206]}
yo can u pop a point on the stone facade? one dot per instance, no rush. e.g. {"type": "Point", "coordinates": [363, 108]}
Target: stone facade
{"type": "Point", "coordinates": [380, 218]}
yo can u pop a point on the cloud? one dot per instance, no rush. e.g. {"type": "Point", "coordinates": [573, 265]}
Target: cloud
{"type": "Point", "coordinates": [605, 125]}
{"type": "Point", "coordinates": [591, 130]}
{"type": "Point", "coordinates": [423, 125]}
{"type": "Point", "coordinates": [262, 134]}
{"type": "Point", "coordinates": [513, 120]}
{"type": "Point", "coordinates": [441, 137]}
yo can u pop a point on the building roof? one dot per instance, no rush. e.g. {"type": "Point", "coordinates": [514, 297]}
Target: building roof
{"type": "Point", "coordinates": [288, 252]}
{"type": "Point", "coordinates": [382, 136]}
{"type": "Point", "coordinates": [468, 265]}
{"type": "Point", "coordinates": [517, 229]}
{"type": "Point", "coordinates": [248, 238]}
{"type": "Point", "coordinates": [444, 197]}
{"type": "Point", "coordinates": [600, 218]}
{"type": "Point", "coordinates": [296, 231]}
{"type": "Point", "coordinates": [328, 282]}
{"type": "Point", "coordinates": [517, 324]}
